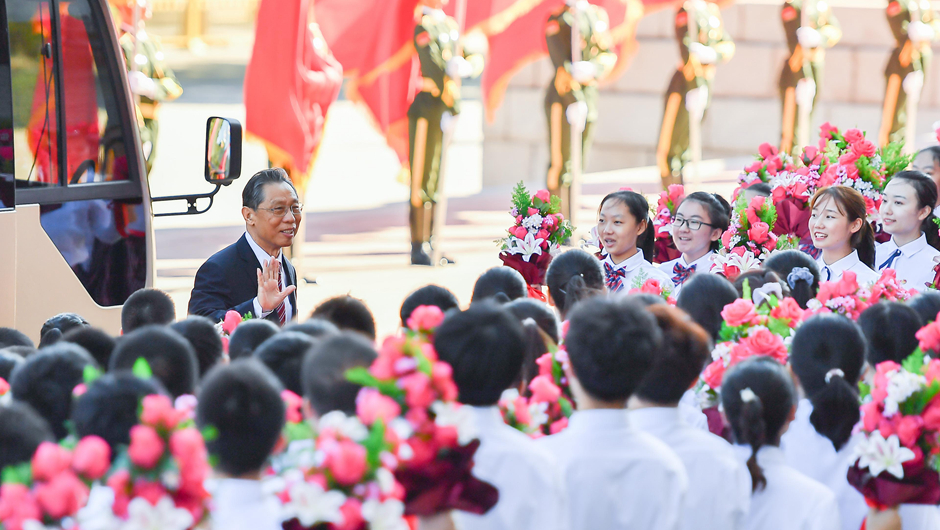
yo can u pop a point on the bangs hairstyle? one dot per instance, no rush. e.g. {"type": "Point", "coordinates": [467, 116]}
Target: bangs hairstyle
{"type": "Point", "coordinates": [719, 212]}
{"type": "Point", "coordinates": [851, 204]}
{"type": "Point", "coordinates": [926, 190]}
{"type": "Point", "coordinates": [639, 208]}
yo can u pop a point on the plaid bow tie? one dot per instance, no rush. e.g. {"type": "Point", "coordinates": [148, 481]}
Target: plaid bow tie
{"type": "Point", "coordinates": [614, 277]}
{"type": "Point", "coordinates": [680, 274]}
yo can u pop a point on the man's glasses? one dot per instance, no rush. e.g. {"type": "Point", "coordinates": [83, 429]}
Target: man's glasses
{"type": "Point", "coordinates": [693, 224]}
{"type": "Point", "coordinates": [281, 211]}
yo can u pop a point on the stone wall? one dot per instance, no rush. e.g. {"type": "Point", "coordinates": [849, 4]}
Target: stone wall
{"type": "Point", "coordinates": [745, 109]}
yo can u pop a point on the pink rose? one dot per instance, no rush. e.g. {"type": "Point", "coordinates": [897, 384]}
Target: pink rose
{"type": "Point", "coordinates": [17, 505]}
{"type": "Point", "coordinates": [767, 151]}
{"type": "Point", "coordinates": [853, 136]}
{"type": "Point", "coordinates": [146, 446]}
{"type": "Point", "coordinates": [652, 286]}
{"type": "Point", "coordinates": [545, 364]}
{"type": "Point", "coordinates": [293, 405]}
{"type": "Point", "coordinates": [909, 429]}
{"type": "Point", "coordinates": [425, 318]}
{"type": "Point", "coordinates": [225, 344]}
{"type": "Point", "coordinates": [758, 232]}
{"type": "Point", "coordinates": [371, 405]}
{"type": "Point", "coordinates": [754, 168]}
{"type": "Point", "coordinates": [49, 460]}
{"type": "Point", "coordinates": [864, 148]}
{"type": "Point", "coordinates": [543, 196]}
{"type": "Point", "coordinates": [120, 484]}
{"type": "Point", "coordinates": [713, 374]}
{"type": "Point", "coordinates": [62, 496]}
{"type": "Point", "coordinates": [788, 309]}
{"type": "Point", "coordinates": [871, 416]}
{"type": "Point", "coordinates": [92, 457]}
{"type": "Point", "coordinates": [417, 387]}
{"type": "Point", "coordinates": [522, 411]}
{"type": "Point", "coordinates": [519, 232]}
{"type": "Point", "coordinates": [887, 427]}
{"type": "Point", "coordinates": [757, 203]}
{"type": "Point", "coordinates": [933, 370]}
{"type": "Point", "coordinates": [532, 211]}
{"type": "Point", "coordinates": [187, 445]}
{"type": "Point", "coordinates": [151, 492]}
{"type": "Point", "coordinates": [542, 234]}
{"type": "Point", "coordinates": [158, 411]}
{"type": "Point", "coordinates": [932, 415]}
{"type": "Point", "coordinates": [519, 219]}
{"type": "Point", "coordinates": [848, 159]}
{"type": "Point", "coordinates": [558, 426]}
{"type": "Point", "coordinates": [352, 515]}
{"type": "Point", "coordinates": [347, 461]}
{"type": "Point", "coordinates": [765, 342]}
{"type": "Point", "coordinates": [544, 389]}
{"type": "Point", "coordinates": [929, 337]}
{"type": "Point", "coordinates": [726, 238]}
{"type": "Point", "coordinates": [232, 320]}
{"type": "Point", "coordinates": [739, 313]}
{"type": "Point", "coordinates": [675, 192]}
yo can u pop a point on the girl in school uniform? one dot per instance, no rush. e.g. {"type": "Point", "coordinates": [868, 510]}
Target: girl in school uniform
{"type": "Point", "coordinates": [700, 220]}
{"type": "Point", "coordinates": [839, 228]}
{"type": "Point", "coordinates": [827, 356]}
{"type": "Point", "coordinates": [626, 233]}
{"type": "Point", "coordinates": [906, 213]}
{"type": "Point", "coordinates": [759, 401]}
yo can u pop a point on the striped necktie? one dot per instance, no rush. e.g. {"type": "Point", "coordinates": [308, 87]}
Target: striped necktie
{"type": "Point", "coordinates": [890, 261]}
{"type": "Point", "coordinates": [281, 309]}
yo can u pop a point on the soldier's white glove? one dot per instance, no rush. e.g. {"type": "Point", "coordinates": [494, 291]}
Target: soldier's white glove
{"type": "Point", "coordinates": [577, 115]}
{"type": "Point", "coordinates": [583, 71]}
{"type": "Point", "coordinates": [917, 31]}
{"type": "Point", "coordinates": [141, 84]}
{"type": "Point", "coordinates": [809, 38]}
{"type": "Point", "coordinates": [913, 83]}
{"type": "Point", "coordinates": [696, 100]}
{"type": "Point", "coordinates": [805, 92]}
{"type": "Point", "coordinates": [458, 67]}
{"type": "Point", "coordinates": [704, 54]}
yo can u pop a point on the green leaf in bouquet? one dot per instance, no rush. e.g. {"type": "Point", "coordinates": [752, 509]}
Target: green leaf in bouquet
{"type": "Point", "coordinates": [90, 374]}
{"type": "Point", "coordinates": [924, 397]}
{"type": "Point", "coordinates": [778, 327]}
{"type": "Point", "coordinates": [746, 290]}
{"type": "Point", "coordinates": [141, 369]}
{"type": "Point", "coordinates": [520, 198]}
{"type": "Point", "coordinates": [915, 362]}
{"type": "Point", "coordinates": [361, 376]}
{"type": "Point", "coordinates": [247, 316]}
{"type": "Point", "coordinates": [17, 474]}
{"type": "Point", "coordinates": [375, 443]}
{"type": "Point", "coordinates": [209, 433]}
{"type": "Point", "coordinates": [894, 159]}
{"type": "Point", "coordinates": [298, 431]}
{"type": "Point", "coordinates": [864, 390]}
{"type": "Point", "coordinates": [727, 333]}
{"type": "Point", "coordinates": [555, 204]}
{"type": "Point", "coordinates": [566, 407]}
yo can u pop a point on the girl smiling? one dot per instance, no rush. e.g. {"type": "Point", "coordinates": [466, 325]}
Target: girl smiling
{"type": "Point", "coordinates": [626, 234]}
{"type": "Point", "coordinates": [839, 228]}
{"type": "Point", "coordinates": [907, 214]}
{"type": "Point", "coordinates": [696, 229]}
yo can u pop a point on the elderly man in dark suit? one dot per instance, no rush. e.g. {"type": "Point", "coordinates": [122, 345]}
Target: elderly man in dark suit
{"type": "Point", "coordinates": [252, 275]}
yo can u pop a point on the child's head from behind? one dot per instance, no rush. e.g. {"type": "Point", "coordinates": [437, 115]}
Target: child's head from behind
{"type": "Point", "coordinates": [572, 276]}
{"type": "Point", "coordinates": [324, 373]}
{"type": "Point", "coordinates": [677, 365]}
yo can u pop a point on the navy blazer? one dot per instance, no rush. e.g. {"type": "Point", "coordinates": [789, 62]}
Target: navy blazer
{"type": "Point", "coordinates": [228, 281]}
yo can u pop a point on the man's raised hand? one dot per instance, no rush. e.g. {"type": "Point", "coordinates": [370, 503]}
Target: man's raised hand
{"type": "Point", "coordinates": [269, 295]}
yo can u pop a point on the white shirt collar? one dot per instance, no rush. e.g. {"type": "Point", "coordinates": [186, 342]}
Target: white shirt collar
{"type": "Point", "coordinates": [910, 248]}
{"type": "Point", "coordinates": [632, 263]}
{"type": "Point", "coordinates": [842, 265]}
{"type": "Point", "coordinates": [702, 264]}
{"type": "Point", "coordinates": [263, 257]}
{"type": "Point", "coordinates": [655, 417]}
{"type": "Point", "coordinates": [604, 419]}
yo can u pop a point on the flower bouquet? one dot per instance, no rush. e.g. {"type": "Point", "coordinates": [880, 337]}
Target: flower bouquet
{"type": "Point", "coordinates": [899, 459]}
{"type": "Point", "coordinates": [888, 289]}
{"type": "Point", "coordinates": [158, 479]}
{"type": "Point", "coordinates": [533, 239]}
{"type": "Point", "coordinates": [226, 327]}
{"type": "Point", "coordinates": [669, 200]}
{"type": "Point", "coordinates": [843, 297]}
{"type": "Point", "coordinates": [436, 443]}
{"type": "Point", "coordinates": [53, 486]}
{"type": "Point", "coordinates": [749, 239]}
{"type": "Point", "coordinates": [652, 286]}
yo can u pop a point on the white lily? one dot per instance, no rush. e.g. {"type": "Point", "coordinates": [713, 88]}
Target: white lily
{"type": "Point", "coordinates": [454, 415]}
{"type": "Point", "coordinates": [311, 505]}
{"type": "Point", "coordinates": [901, 385]}
{"type": "Point", "coordinates": [880, 455]}
{"type": "Point", "coordinates": [744, 263]}
{"type": "Point", "coordinates": [388, 515]}
{"type": "Point", "coordinates": [528, 247]}
{"type": "Point", "coordinates": [141, 515]}
{"type": "Point", "coordinates": [539, 413]}
{"type": "Point", "coordinates": [349, 426]}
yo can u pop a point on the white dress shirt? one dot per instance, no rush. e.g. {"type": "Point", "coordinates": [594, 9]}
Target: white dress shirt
{"type": "Point", "coordinates": [913, 265]}
{"type": "Point", "coordinates": [638, 270]}
{"type": "Point", "coordinates": [691, 412]}
{"type": "Point", "coordinates": [812, 454]}
{"type": "Point", "coordinates": [264, 257]}
{"type": "Point", "coordinates": [719, 485]}
{"type": "Point", "coordinates": [790, 500]}
{"type": "Point", "coordinates": [703, 264]}
{"type": "Point", "coordinates": [833, 273]}
{"type": "Point", "coordinates": [530, 491]}
{"type": "Point", "coordinates": [239, 504]}
{"type": "Point", "coordinates": [615, 476]}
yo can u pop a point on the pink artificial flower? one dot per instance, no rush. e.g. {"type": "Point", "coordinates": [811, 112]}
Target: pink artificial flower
{"type": "Point", "coordinates": [77, 392]}
{"type": "Point", "coordinates": [352, 515]}
{"type": "Point", "coordinates": [887, 426]}
{"type": "Point", "coordinates": [542, 234]}
{"type": "Point", "coordinates": [765, 342]}
{"type": "Point", "coordinates": [713, 374]}
{"type": "Point", "coordinates": [148, 490]}
{"type": "Point", "coordinates": [778, 194]}
{"type": "Point", "coordinates": [929, 337]}
{"type": "Point", "coordinates": [931, 415]}
{"type": "Point", "coordinates": [825, 132]}
{"type": "Point", "coordinates": [225, 345]}
{"type": "Point", "coordinates": [519, 232]}
{"type": "Point", "coordinates": [91, 458]}
{"type": "Point", "coordinates": [731, 272]}
{"type": "Point", "coordinates": [120, 483]}
{"type": "Point", "coordinates": [50, 460]}
{"type": "Point", "coordinates": [558, 426]}
{"type": "Point", "coordinates": [293, 405]}
{"type": "Point", "coordinates": [62, 496]}
{"type": "Point", "coordinates": [909, 429]}
{"type": "Point", "coordinates": [4, 386]}
{"type": "Point", "coordinates": [519, 219]}
{"type": "Point", "coordinates": [545, 364]}
{"type": "Point", "coordinates": [767, 151]}
{"type": "Point", "coordinates": [418, 392]}
{"type": "Point", "coordinates": [739, 313]}
{"type": "Point", "coordinates": [371, 405]}
{"type": "Point", "coordinates": [853, 136]}
{"type": "Point", "coordinates": [652, 286]}
{"type": "Point", "coordinates": [158, 411]}
{"type": "Point", "coordinates": [544, 196]}
{"type": "Point", "coordinates": [871, 416]}
{"type": "Point", "coordinates": [757, 203]}
{"type": "Point", "coordinates": [771, 242]}
{"type": "Point", "coordinates": [848, 159]}
{"type": "Point", "coordinates": [933, 371]}
{"type": "Point", "coordinates": [532, 211]}
{"type": "Point", "coordinates": [347, 462]}
{"type": "Point", "coordinates": [810, 156]}
{"type": "Point", "coordinates": [544, 389]}
{"type": "Point", "coordinates": [522, 411]}
{"type": "Point", "coordinates": [232, 320]}
{"type": "Point", "coordinates": [864, 148]}
{"type": "Point", "coordinates": [788, 309]}
{"type": "Point", "coordinates": [425, 318]}
{"type": "Point", "coordinates": [146, 446]}
{"type": "Point", "coordinates": [549, 222]}
{"type": "Point", "coordinates": [675, 192]}
{"type": "Point", "coordinates": [758, 232]}
{"type": "Point", "coordinates": [726, 238]}
{"type": "Point", "coordinates": [17, 505]}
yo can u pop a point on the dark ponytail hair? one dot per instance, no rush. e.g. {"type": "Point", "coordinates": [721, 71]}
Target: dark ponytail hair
{"type": "Point", "coordinates": [926, 190]}
{"type": "Point", "coordinates": [757, 420]}
{"type": "Point", "coordinates": [640, 210]}
{"type": "Point", "coordinates": [927, 305]}
{"type": "Point", "coordinates": [852, 204]}
{"type": "Point", "coordinates": [827, 356]}
{"type": "Point", "coordinates": [719, 211]}
{"type": "Point", "coordinates": [572, 276]}
{"type": "Point", "coordinates": [891, 331]}
{"type": "Point", "coordinates": [787, 264]}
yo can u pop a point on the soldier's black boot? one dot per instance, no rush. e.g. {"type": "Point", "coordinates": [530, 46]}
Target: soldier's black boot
{"type": "Point", "coordinates": [418, 255]}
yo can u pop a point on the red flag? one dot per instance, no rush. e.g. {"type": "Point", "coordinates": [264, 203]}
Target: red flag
{"type": "Point", "coordinates": [290, 82]}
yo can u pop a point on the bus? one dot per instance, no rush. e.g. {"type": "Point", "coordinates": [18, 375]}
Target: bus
{"type": "Point", "coordinates": [76, 231]}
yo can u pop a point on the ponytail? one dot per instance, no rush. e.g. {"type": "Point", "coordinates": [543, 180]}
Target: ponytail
{"type": "Point", "coordinates": [931, 230]}
{"type": "Point", "coordinates": [572, 276]}
{"type": "Point", "coordinates": [835, 409]}
{"type": "Point", "coordinates": [647, 240]}
{"type": "Point", "coordinates": [864, 242]}
{"type": "Point", "coordinates": [800, 272]}
{"type": "Point", "coordinates": [753, 431]}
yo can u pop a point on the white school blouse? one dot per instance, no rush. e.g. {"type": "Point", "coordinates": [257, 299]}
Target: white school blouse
{"type": "Point", "coordinates": [719, 485]}
{"type": "Point", "coordinates": [239, 504]}
{"type": "Point", "coordinates": [912, 262]}
{"type": "Point", "coordinates": [637, 270]}
{"type": "Point", "coordinates": [703, 264]}
{"type": "Point", "coordinates": [833, 273]}
{"type": "Point", "coordinates": [616, 477]}
{"type": "Point", "coordinates": [812, 454]}
{"type": "Point", "coordinates": [790, 500]}
{"type": "Point", "coordinates": [530, 491]}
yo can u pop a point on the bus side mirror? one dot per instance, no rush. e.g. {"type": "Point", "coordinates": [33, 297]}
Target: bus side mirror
{"type": "Point", "coordinates": [223, 150]}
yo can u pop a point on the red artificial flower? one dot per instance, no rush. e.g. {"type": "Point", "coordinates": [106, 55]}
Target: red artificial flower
{"type": "Point", "coordinates": [49, 460]}
{"type": "Point", "coordinates": [853, 136]}
{"type": "Point", "coordinates": [62, 496]}
{"type": "Point", "coordinates": [146, 446]}
{"type": "Point", "coordinates": [739, 313]}
{"type": "Point", "coordinates": [92, 457]}
{"type": "Point", "coordinates": [864, 148]}
{"type": "Point", "coordinates": [425, 318]}
{"type": "Point", "coordinates": [759, 232]}
{"type": "Point", "coordinates": [371, 405]}
{"type": "Point", "coordinates": [232, 320]}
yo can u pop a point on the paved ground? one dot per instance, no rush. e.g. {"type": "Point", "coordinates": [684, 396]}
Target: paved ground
{"type": "Point", "coordinates": [356, 211]}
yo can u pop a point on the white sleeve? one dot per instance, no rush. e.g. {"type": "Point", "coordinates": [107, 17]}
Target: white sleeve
{"type": "Point", "coordinates": [824, 515]}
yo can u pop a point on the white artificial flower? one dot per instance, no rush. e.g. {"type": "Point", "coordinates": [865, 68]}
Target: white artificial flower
{"type": "Point", "coordinates": [722, 352]}
{"type": "Point", "coordinates": [528, 247]}
{"type": "Point", "coordinates": [402, 428]}
{"type": "Point", "coordinates": [311, 505]}
{"type": "Point", "coordinates": [508, 398]}
{"type": "Point", "coordinates": [879, 455]}
{"type": "Point", "coordinates": [388, 515]}
{"type": "Point", "coordinates": [592, 241]}
{"type": "Point", "coordinates": [901, 385]}
{"type": "Point", "coordinates": [539, 413]}
{"type": "Point", "coordinates": [454, 415]}
{"type": "Point", "coordinates": [97, 513]}
{"type": "Point", "coordinates": [32, 524]}
{"type": "Point", "coordinates": [386, 480]}
{"type": "Point", "coordinates": [141, 515]}
{"type": "Point", "coordinates": [532, 223]}
{"type": "Point", "coordinates": [349, 426]}
{"type": "Point", "coordinates": [744, 263]}
{"type": "Point", "coordinates": [814, 304]}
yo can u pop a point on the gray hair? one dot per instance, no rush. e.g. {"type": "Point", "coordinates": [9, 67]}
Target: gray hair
{"type": "Point", "coordinates": [253, 194]}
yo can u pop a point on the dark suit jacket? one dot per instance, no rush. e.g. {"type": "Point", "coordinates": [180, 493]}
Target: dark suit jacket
{"type": "Point", "coordinates": [228, 281]}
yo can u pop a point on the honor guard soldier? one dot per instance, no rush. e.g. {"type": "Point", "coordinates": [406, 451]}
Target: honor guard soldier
{"type": "Point", "coordinates": [810, 27]}
{"type": "Point", "coordinates": [914, 25]}
{"type": "Point", "coordinates": [431, 115]}
{"type": "Point", "coordinates": [572, 95]}
{"type": "Point", "coordinates": [149, 76]}
{"type": "Point", "coordinates": [703, 43]}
